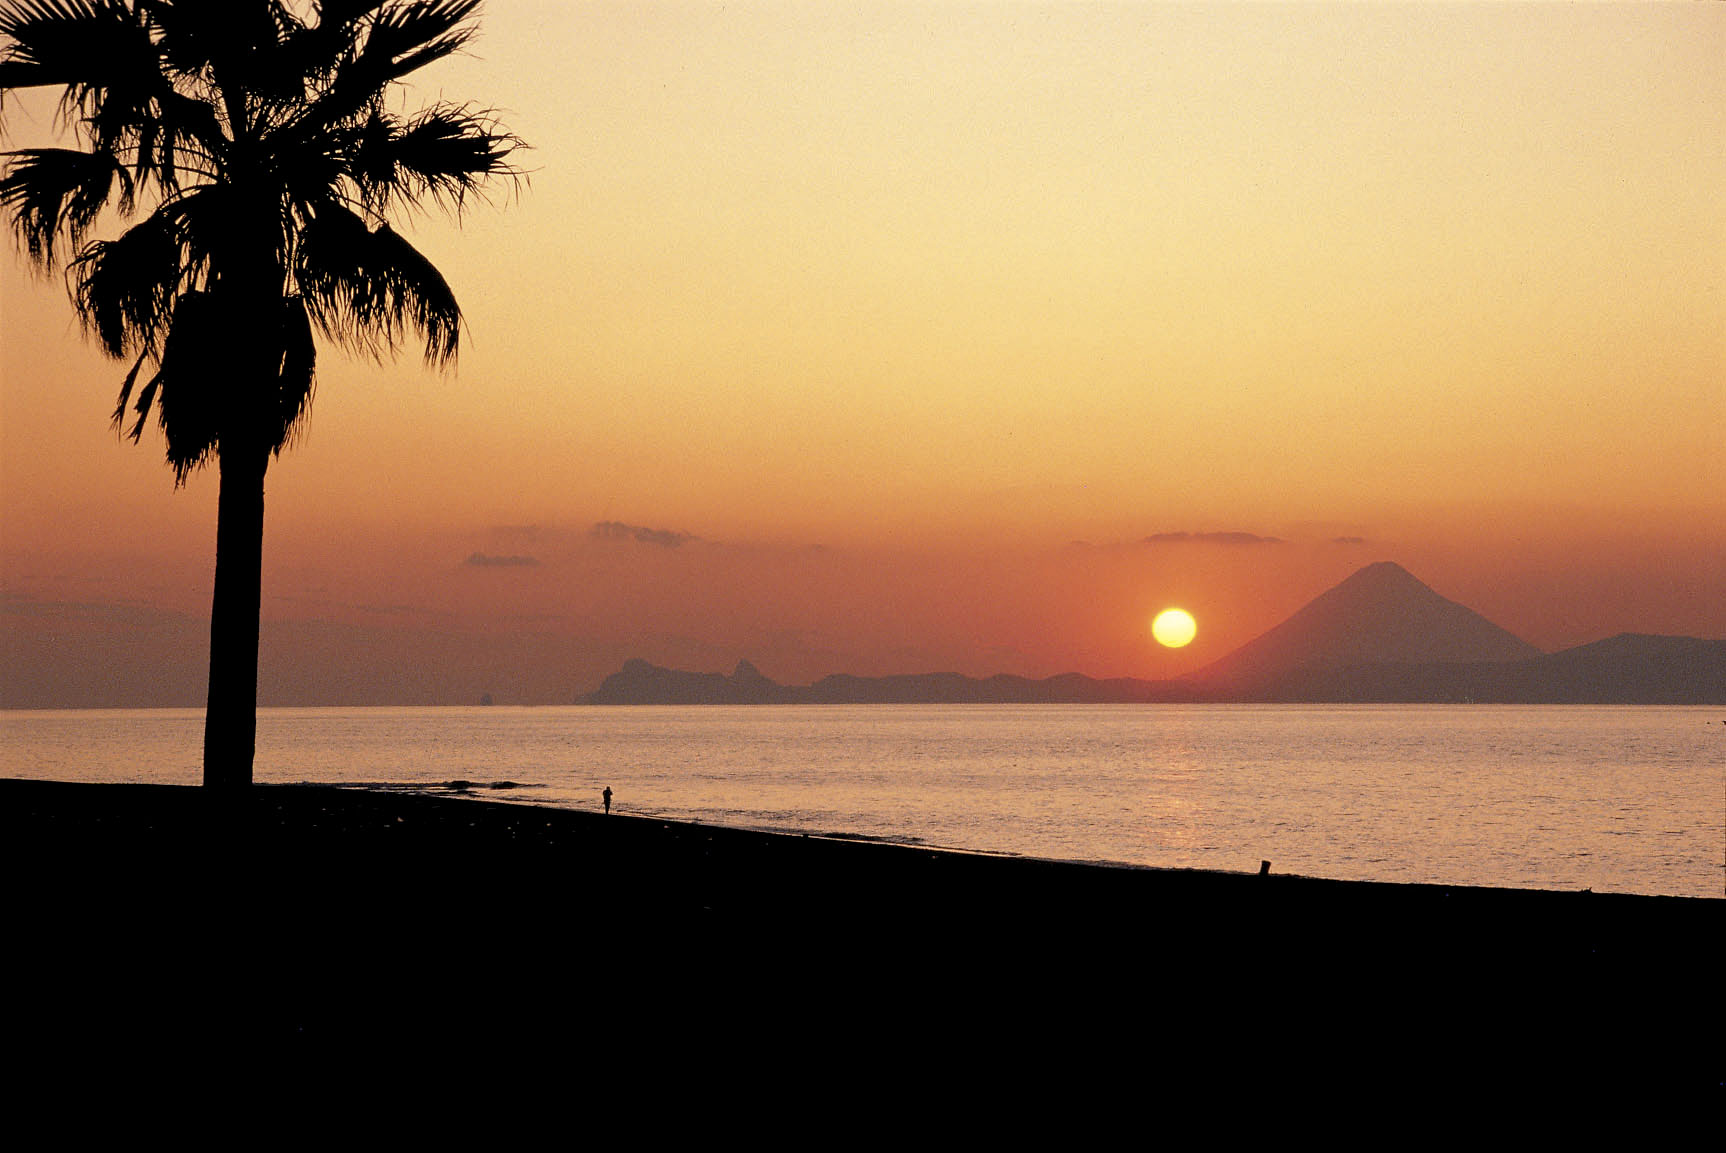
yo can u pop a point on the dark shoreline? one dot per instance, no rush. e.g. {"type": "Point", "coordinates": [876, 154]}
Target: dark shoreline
{"type": "Point", "coordinates": [302, 916]}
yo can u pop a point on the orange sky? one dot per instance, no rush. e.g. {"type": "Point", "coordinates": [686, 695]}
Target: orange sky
{"type": "Point", "coordinates": [873, 313]}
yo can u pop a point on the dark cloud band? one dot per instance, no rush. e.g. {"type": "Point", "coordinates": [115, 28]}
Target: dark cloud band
{"type": "Point", "coordinates": [664, 538]}
{"type": "Point", "coordinates": [481, 560]}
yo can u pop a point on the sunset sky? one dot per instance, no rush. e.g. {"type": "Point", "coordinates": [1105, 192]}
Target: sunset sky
{"type": "Point", "coordinates": [909, 336]}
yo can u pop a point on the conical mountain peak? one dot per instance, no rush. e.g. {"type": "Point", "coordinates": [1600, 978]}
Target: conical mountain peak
{"type": "Point", "coordinates": [1381, 614]}
{"type": "Point", "coordinates": [1384, 572]}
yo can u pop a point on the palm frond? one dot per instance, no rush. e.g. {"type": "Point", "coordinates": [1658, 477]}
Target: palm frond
{"type": "Point", "coordinates": [393, 40]}
{"type": "Point", "coordinates": [204, 220]}
{"type": "Point", "coordinates": [198, 389]}
{"type": "Point", "coordinates": [64, 42]}
{"type": "Point", "coordinates": [367, 288]}
{"type": "Point", "coordinates": [123, 288]}
{"type": "Point", "coordinates": [110, 58]}
{"type": "Point", "coordinates": [199, 358]}
{"type": "Point", "coordinates": [55, 193]}
{"type": "Point", "coordinates": [101, 51]}
{"type": "Point", "coordinates": [416, 33]}
{"type": "Point", "coordinates": [316, 49]}
{"type": "Point", "coordinates": [198, 35]}
{"type": "Point", "coordinates": [146, 398]}
{"type": "Point", "coordinates": [366, 157]}
{"type": "Point", "coordinates": [186, 138]}
{"type": "Point", "coordinates": [119, 417]}
{"type": "Point", "coordinates": [446, 152]}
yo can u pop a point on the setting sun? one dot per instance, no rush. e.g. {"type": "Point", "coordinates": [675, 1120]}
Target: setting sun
{"type": "Point", "coordinates": [1174, 628]}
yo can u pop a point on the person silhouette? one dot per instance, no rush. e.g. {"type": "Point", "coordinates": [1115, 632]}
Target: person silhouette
{"type": "Point", "coordinates": [606, 797]}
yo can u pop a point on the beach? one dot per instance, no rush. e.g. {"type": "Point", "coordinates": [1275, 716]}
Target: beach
{"type": "Point", "coordinates": [299, 919]}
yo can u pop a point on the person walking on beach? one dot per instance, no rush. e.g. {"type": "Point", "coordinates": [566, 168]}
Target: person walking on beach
{"type": "Point", "coordinates": [606, 797]}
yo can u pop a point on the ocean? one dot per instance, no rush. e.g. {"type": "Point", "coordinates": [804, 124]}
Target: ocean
{"type": "Point", "coordinates": [1614, 799]}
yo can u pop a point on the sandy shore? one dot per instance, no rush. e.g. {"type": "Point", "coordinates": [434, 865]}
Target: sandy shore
{"type": "Point", "coordinates": [304, 919]}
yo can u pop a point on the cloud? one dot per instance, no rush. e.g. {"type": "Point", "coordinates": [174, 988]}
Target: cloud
{"type": "Point", "coordinates": [664, 538]}
{"type": "Point", "coordinates": [1223, 538]}
{"type": "Point", "coordinates": [1349, 540]}
{"type": "Point", "coordinates": [481, 560]}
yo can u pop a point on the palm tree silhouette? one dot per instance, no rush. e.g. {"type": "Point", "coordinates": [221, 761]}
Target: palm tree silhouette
{"type": "Point", "coordinates": [251, 142]}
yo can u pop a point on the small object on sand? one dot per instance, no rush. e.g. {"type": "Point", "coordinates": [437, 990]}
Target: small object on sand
{"type": "Point", "coordinates": [1264, 868]}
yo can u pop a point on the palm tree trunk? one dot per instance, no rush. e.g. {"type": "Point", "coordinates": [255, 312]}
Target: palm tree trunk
{"type": "Point", "coordinates": [231, 715]}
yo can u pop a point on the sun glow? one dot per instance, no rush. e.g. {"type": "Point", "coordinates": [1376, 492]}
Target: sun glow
{"type": "Point", "coordinates": [1174, 628]}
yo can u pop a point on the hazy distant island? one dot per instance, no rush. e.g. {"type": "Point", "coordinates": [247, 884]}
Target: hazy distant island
{"type": "Point", "coordinates": [1379, 636]}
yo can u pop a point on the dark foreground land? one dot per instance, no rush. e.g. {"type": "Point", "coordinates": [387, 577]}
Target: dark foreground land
{"type": "Point", "coordinates": [302, 923]}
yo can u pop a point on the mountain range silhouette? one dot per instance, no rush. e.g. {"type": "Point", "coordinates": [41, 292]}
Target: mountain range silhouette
{"type": "Point", "coordinates": [1379, 636]}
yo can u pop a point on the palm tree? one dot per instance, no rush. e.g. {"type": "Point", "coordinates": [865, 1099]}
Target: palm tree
{"type": "Point", "coordinates": [249, 149]}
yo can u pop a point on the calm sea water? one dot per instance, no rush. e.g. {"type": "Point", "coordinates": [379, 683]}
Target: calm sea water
{"type": "Point", "coordinates": [1614, 799]}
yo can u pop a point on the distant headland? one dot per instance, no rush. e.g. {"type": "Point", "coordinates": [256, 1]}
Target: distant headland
{"type": "Point", "coordinates": [1379, 636]}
